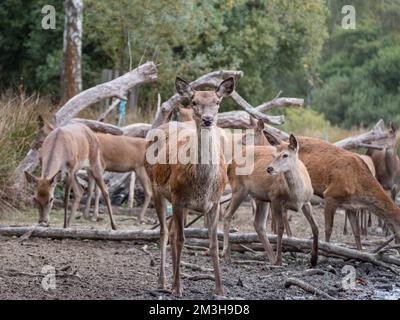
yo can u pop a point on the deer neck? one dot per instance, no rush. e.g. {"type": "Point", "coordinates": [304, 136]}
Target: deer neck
{"type": "Point", "coordinates": [382, 205]}
{"type": "Point", "coordinates": [294, 180]}
{"type": "Point", "coordinates": [207, 147]}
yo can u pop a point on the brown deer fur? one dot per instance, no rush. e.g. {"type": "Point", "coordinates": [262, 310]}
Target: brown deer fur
{"type": "Point", "coordinates": [122, 154]}
{"type": "Point", "coordinates": [68, 149]}
{"type": "Point", "coordinates": [191, 186]}
{"type": "Point", "coordinates": [343, 180]}
{"type": "Point", "coordinates": [280, 178]}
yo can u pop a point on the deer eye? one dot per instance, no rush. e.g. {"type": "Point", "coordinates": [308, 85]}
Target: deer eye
{"type": "Point", "coordinates": [285, 156]}
{"type": "Point", "coordinates": [194, 103]}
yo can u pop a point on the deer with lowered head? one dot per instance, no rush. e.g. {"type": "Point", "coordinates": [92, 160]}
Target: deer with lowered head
{"type": "Point", "coordinates": [197, 185]}
{"type": "Point", "coordinates": [121, 154]}
{"type": "Point", "coordinates": [387, 163]}
{"type": "Point", "coordinates": [343, 179]}
{"type": "Point", "coordinates": [66, 150]}
{"type": "Point", "coordinates": [281, 179]}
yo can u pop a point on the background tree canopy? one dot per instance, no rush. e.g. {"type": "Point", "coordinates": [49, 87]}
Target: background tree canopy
{"type": "Point", "coordinates": [351, 76]}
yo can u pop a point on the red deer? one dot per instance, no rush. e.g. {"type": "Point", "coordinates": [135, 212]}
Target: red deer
{"type": "Point", "coordinates": [121, 154]}
{"type": "Point", "coordinates": [279, 177]}
{"type": "Point", "coordinates": [343, 180]}
{"type": "Point", "coordinates": [66, 150]}
{"type": "Point", "coordinates": [193, 186]}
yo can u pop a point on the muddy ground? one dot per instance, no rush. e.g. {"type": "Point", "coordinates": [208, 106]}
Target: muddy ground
{"type": "Point", "coordinates": [122, 270]}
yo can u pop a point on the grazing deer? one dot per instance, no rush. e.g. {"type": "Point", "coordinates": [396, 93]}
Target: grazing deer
{"type": "Point", "coordinates": [342, 178]}
{"type": "Point", "coordinates": [66, 150]}
{"type": "Point", "coordinates": [279, 177]}
{"type": "Point", "coordinates": [121, 154]}
{"type": "Point", "coordinates": [197, 186]}
{"type": "Point", "coordinates": [387, 164]}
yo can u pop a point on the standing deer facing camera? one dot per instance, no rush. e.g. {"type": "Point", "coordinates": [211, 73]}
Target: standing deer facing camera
{"type": "Point", "coordinates": [66, 150]}
{"type": "Point", "coordinates": [197, 186]}
{"type": "Point", "coordinates": [279, 177]}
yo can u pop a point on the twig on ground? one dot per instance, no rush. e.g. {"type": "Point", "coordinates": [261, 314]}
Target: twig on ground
{"type": "Point", "coordinates": [307, 287]}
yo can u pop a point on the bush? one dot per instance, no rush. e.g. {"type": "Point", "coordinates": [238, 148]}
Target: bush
{"type": "Point", "coordinates": [18, 114]}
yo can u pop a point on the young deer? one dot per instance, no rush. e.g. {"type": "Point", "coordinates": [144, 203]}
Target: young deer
{"type": "Point", "coordinates": [279, 177]}
{"type": "Point", "coordinates": [121, 154]}
{"type": "Point", "coordinates": [68, 149]}
{"type": "Point", "coordinates": [343, 180]}
{"type": "Point", "coordinates": [196, 186]}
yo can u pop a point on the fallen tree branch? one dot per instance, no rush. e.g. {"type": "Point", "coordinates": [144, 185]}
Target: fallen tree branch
{"type": "Point", "coordinates": [113, 105]}
{"type": "Point", "coordinates": [198, 277]}
{"type": "Point", "coordinates": [376, 134]}
{"type": "Point", "coordinates": [98, 126]}
{"type": "Point", "coordinates": [301, 245]}
{"type": "Point", "coordinates": [307, 287]}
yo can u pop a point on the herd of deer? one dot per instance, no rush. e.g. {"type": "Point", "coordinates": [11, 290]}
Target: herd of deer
{"type": "Point", "coordinates": [286, 175]}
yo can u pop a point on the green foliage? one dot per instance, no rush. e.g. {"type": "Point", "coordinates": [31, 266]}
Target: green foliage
{"type": "Point", "coordinates": [270, 40]}
{"type": "Point", "coordinates": [360, 79]}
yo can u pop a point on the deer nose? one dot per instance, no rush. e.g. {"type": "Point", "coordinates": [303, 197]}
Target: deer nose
{"type": "Point", "coordinates": [207, 120]}
{"type": "Point", "coordinates": [270, 170]}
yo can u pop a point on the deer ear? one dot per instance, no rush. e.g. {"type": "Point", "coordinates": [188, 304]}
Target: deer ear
{"type": "Point", "coordinates": [226, 87]}
{"type": "Point", "coordinates": [293, 145]}
{"type": "Point", "coordinates": [273, 141]}
{"type": "Point", "coordinates": [260, 125]}
{"type": "Point", "coordinates": [54, 179]}
{"type": "Point", "coordinates": [183, 88]}
{"type": "Point", "coordinates": [30, 178]}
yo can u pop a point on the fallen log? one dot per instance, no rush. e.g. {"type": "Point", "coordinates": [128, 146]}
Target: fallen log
{"type": "Point", "coordinates": [99, 126]}
{"type": "Point", "coordinates": [304, 245]}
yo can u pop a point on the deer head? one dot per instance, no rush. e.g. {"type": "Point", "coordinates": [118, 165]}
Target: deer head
{"type": "Point", "coordinates": [44, 195]}
{"type": "Point", "coordinates": [286, 155]}
{"type": "Point", "coordinates": [205, 104]}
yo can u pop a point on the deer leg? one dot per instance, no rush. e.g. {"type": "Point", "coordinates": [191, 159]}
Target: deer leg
{"type": "Point", "coordinates": [97, 174]}
{"type": "Point", "coordinates": [77, 198]}
{"type": "Point", "coordinates": [253, 206]}
{"type": "Point", "coordinates": [273, 224]}
{"type": "Point", "coordinates": [144, 179]}
{"type": "Point", "coordinates": [260, 225]}
{"type": "Point", "coordinates": [277, 211]}
{"type": "Point", "coordinates": [66, 198]}
{"type": "Point", "coordinates": [345, 223]}
{"type": "Point", "coordinates": [355, 226]}
{"type": "Point", "coordinates": [131, 196]}
{"type": "Point", "coordinates": [91, 186]}
{"type": "Point", "coordinates": [177, 242]}
{"type": "Point", "coordinates": [330, 210]}
{"type": "Point", "coordinates": [363, 222]}
{"type": "Point", "coordinates": [307, 211]}
{"type": "Point", "coordinates": [237, 198]}
{"type": "Point", "coordinates": [286, 223]}
{"type": "Point", "coordinates": [160, 205]}
{"type": "Point", "coordinates": [213, 236]}
{"type": "Point", "coordinates": [95, 215]}
{"type": "Point", "coordinates": [369, 225]}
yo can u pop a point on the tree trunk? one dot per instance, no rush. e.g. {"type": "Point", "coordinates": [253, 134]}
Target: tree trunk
{"type": "Point", "coordinates": [71, 82]}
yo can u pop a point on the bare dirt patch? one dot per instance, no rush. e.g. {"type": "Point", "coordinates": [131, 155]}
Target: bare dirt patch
{"type": "Point", "coordinates": [122, 270]}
